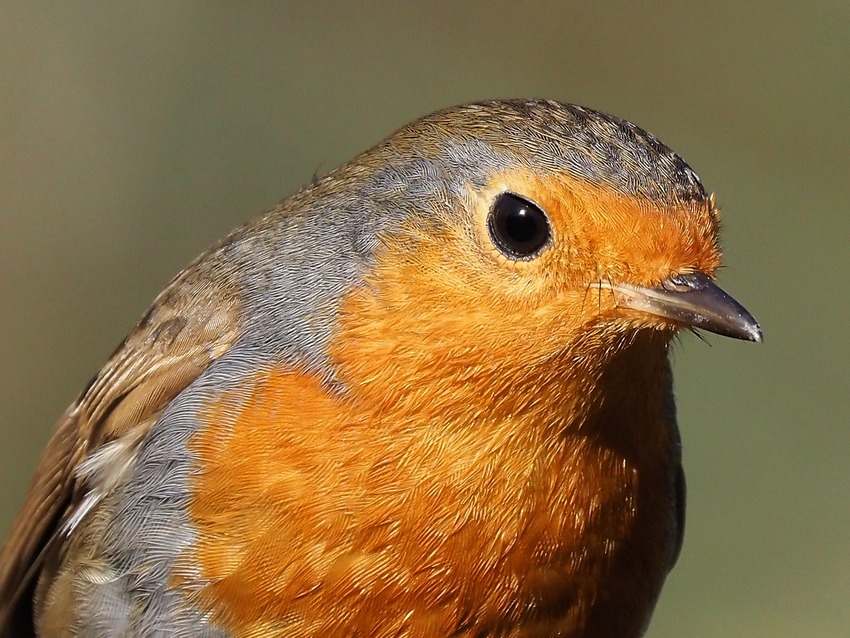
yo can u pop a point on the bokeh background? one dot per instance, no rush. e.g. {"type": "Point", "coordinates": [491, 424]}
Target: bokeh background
{"type": "Point", "coordinates": [132, 135]}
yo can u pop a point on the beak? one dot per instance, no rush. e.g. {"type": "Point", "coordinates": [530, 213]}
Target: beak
{"type": "Point", "coordinates": [693, 300]}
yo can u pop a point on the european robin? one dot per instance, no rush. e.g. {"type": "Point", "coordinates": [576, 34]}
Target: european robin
{"type": "Point", "coordinates": [427, 395]}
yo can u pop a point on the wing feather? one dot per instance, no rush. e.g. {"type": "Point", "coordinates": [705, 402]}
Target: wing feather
{"type": "Point", "coordinates": [192, 323]}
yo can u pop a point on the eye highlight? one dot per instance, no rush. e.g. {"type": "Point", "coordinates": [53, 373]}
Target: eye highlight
{"type": "Point", "coordinates": [518, 228]}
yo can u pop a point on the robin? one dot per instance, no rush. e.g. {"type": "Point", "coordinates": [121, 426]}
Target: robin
{"type": "Point", "coordinates": [427, 395]}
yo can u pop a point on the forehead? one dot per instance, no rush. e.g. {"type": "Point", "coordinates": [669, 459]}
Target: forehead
{"type": "Point", "coordinates": [476, 140]}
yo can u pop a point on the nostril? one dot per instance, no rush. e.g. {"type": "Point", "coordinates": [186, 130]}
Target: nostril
{"type": "Point", "coordinates": [677, 283]}
{"type": "Point", "coordinates": [685, 283]}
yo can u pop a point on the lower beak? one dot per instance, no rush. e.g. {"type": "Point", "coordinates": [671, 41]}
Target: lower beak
{"type": "Point", "coordinates": [693, 300]}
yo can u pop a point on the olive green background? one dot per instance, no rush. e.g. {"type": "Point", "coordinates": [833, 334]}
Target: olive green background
{"type": "Point", "coordinates": [132, 135]}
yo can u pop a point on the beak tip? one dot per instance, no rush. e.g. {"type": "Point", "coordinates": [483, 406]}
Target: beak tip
{"type": "Point", "coordinates": [754, 333]}
{"type": "Point", "coordinates": [741, 325]}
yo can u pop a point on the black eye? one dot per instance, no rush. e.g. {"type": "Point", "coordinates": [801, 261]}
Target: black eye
{"type": "Point", "coordinates": [518, 228]}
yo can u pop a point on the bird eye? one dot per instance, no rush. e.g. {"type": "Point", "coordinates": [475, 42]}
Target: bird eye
{"type": "Point", "coordinates": [519, 229]}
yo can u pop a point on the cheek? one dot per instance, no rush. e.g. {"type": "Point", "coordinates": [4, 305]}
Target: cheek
{"type": "Point", "coordinates": [423, 314]}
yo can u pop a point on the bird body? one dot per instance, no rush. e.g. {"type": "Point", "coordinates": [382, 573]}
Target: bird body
{"type": "Point", "coordinates": [427, 395]}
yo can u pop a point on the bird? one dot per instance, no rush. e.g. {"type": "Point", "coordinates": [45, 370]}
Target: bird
{"type": "Point", "coordinates": [427, 395]}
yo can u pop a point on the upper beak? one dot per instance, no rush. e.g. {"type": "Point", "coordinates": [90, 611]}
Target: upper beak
{"type": "Point", "coordinates": [693, 300]}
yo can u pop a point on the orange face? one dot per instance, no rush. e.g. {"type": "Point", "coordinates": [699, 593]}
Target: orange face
{"type": "Point", "coordinates": [451, 298]}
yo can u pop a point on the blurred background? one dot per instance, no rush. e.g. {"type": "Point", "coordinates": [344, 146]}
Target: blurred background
{"type": "Point", "coordinates": [132, 135]}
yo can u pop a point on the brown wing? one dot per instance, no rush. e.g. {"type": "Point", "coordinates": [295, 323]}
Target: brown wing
{"type": "Point", "coordinates": [193, 322]}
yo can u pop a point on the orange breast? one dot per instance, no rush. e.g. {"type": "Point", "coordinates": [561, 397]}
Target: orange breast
{"type": "Point", "coordinates": [317, 517]}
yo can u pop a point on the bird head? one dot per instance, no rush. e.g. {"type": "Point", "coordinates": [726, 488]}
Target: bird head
{"type": "Point", "coordinates": [530, 230]}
